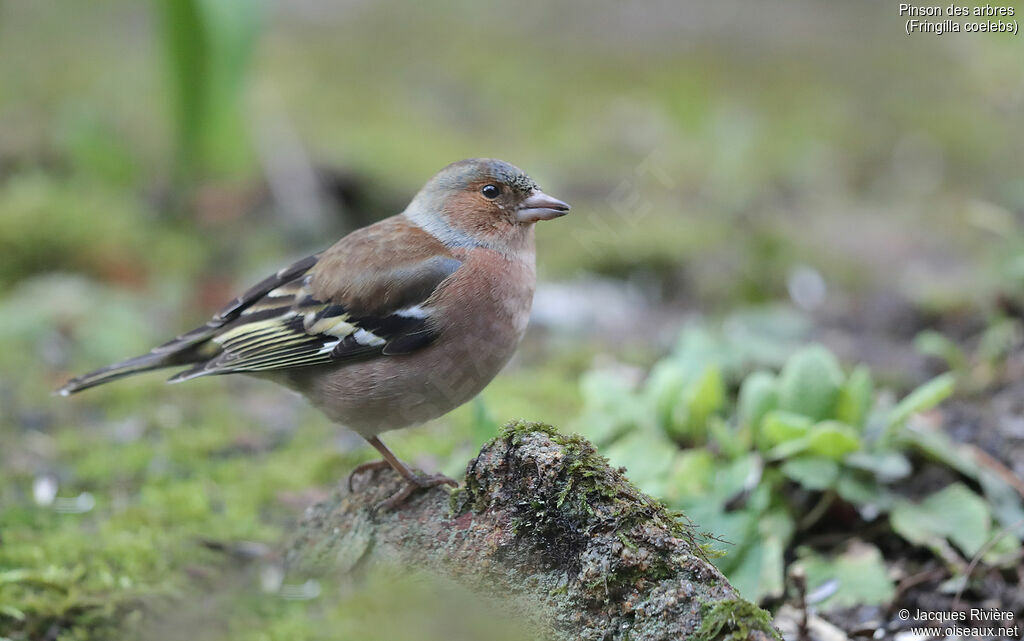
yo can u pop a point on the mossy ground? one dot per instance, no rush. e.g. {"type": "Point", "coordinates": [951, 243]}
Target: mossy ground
{"type": "Point", "coordinates": [165, 479]}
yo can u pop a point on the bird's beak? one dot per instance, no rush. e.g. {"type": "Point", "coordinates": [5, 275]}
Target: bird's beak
{"type": "Point", "coordinates": [540, 206]}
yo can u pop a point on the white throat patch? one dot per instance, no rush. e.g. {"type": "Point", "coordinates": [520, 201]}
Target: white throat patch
{"type": "Point", "coordinates": [439, 228]}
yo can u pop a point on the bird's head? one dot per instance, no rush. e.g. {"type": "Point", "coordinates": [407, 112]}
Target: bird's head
{"type": "Point", "coordinates": [482, 201]}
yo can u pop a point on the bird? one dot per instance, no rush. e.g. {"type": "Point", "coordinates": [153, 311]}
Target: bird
{"type": "Point", "coordinates": [396, 324]}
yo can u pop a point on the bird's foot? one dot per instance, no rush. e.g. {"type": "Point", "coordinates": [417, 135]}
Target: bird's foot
{"type": "Point", "coordinates": [364, 467]}
{"type": "Point", "coordinates": [417, 482]}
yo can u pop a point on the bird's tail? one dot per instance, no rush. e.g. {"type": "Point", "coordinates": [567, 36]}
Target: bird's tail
{"type": "Point", "coordinates": [130, 367]}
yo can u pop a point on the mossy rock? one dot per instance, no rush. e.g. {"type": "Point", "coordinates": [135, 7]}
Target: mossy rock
{"type": "Point", "coordinates": [547, 526]}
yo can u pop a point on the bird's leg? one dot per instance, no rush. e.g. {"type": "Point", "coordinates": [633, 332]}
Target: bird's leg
{"type": "Point", "coordinates": [363, 467]}
{"type": "Point", "coordinates": [389, 460]}
{"type": "Point", "coordinates": [413, 481]}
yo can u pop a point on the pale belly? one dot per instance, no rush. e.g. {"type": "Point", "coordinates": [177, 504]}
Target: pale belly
{"type": "Point", "coordinates": [391, 393]}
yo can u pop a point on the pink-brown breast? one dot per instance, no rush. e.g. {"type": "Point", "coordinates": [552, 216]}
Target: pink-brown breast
{"type": "Point", "coordinates": [483, 310]}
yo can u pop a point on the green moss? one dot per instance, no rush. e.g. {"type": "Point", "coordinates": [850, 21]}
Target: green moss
{"type": "Point", "coordinates": [582, 499]}
{"type": "Point", "coordinates": [621, 580]}
{"type": "Point", "coordinates": [734, 620]}
{"type": "Point", "coordinates": [589, 479]}
{"type": "Point", "coordinates": [626, 541]}
{"type": "Point", "coordinates": [168, 468]}
{"type": "Point", "coordinates": [515, 431]}
{"type": "Point", "coordinates": [49, 223]}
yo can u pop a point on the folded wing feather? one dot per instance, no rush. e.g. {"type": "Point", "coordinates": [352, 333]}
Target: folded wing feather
{"type": "Point", "coordinates": [284, 325]}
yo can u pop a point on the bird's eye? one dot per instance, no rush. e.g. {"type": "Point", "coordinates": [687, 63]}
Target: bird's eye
{"type": "Point", "coordinates": [490, 192]}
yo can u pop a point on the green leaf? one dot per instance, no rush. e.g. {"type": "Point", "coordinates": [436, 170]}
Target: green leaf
{"type": "Point", "coordinates": [998, 340]}
{"type": "Point", "coordinates": [1004, 501]}
{"type": "Point", "coordinates": [932, 343]}
{"type": "Point", "coordinates": [690, 476]}
{"type": "Point", "coordinates": [776, 529]}
{"type": "Point", "coordinates": [611, 407]}
{"type": "Point", "coordinates": [743, 568]}
{"type": "Point", "coordinates": [887, 466]}
{"type": "Point", "coordinates": [856, 397]}
{"type": "Point", "coordinates": [647, 457]}
{"type": "Point", "coordinates": [731, 443]}
{"type": "Point", "coordinates": [779, 426]}
{"type": "Point", "coordinates": [812, 472]}
{"type": "Point", "coordinates": [707, 396]}
{"type": "Point", "coordinates": [833, 440]}
{"type": "Point", "coordinates": [758, 569]}
{"type": "Point", "coordinates": [830, 439]}
{"type": "Point", "coordinates": [12, 612]}
{"type": "Point", "coordinates": [788, 449]}
{"type": "Point", "coordinates": [737, 528]}
{"type": "Point", "coordinates": [664, 389]}
{"type": "Point", "coordinates": [208, 47]}
{"type": "Point", "coordinates": [758, 395]}
{"type": "Point", "coordinates": [1003, 549]}
{"type": "Point", "coordinates": [870, 498]}
{"type": "Point", "coordinates": [737, 476]}
{"type": "Point", "coordinates": [921, 399]}
{"type": "Point", "coordinates": [15, 576]}
{"type": "Point", "coordinates": [700, 400]}
{"type": "Point", "coordinates": [809, 383]}
{"type": "Point", "coordinates": [186, 49]}
{"type": "Point", "coordinates": [955, 513]}
{"type": "Point", "coordinates": [860, 572]}
{"type": "Point", "coordinates": [938, 446]}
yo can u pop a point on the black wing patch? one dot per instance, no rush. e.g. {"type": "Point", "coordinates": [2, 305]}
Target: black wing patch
{"type": "Point", "coordinates": [278, 324]}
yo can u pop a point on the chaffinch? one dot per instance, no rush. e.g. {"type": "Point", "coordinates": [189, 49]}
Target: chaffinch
{"type": "Point", "coordinates": [395, 324]}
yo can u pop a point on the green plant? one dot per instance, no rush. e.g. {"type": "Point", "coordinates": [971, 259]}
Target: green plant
{"type": "Point", "coordinates": [208, 48]}
{"type": "Point", "coordinates": [987, 362]}
{"type": "Point", "coordinates": [759, 450]}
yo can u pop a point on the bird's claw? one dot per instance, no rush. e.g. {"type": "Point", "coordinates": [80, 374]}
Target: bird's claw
{"type": "Point", "coordinates": [417, 482]}
{"type": "Point", "coordinates": [411, 484]}
{"type": "Point", "coordinates": [363, 467]}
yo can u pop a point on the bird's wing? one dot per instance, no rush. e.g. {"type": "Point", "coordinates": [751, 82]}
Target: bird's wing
{"type": "Point", "coordinates": [365, 297]}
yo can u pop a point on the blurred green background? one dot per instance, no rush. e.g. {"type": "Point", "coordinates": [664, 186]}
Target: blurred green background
{"type": "Point", "coordinates": [157, 157]}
